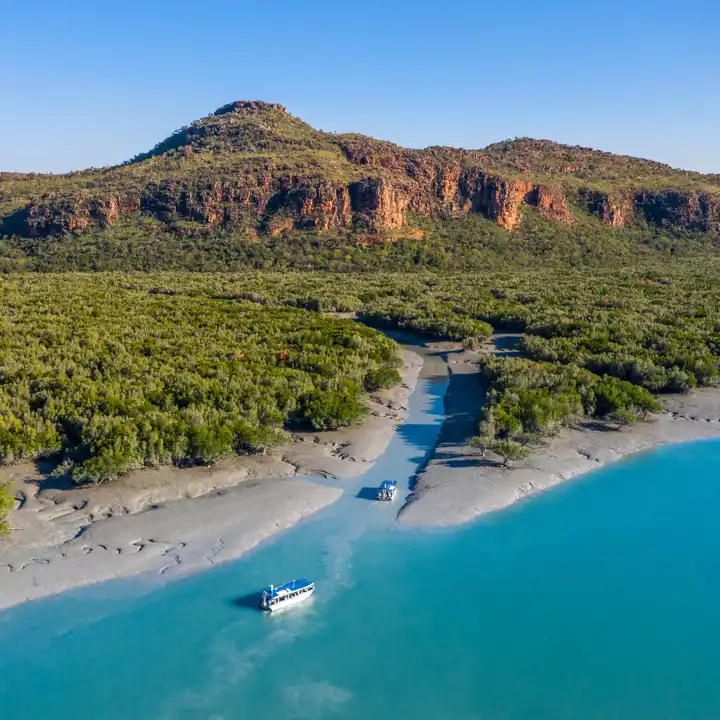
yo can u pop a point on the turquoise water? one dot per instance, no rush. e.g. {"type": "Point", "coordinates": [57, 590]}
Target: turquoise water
{"type": "Point", "coordinates": [595, 600]}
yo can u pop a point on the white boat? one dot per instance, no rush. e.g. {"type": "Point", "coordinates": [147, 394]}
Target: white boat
{"type": "Point", "coordinates": [292, 593]}
{"type": "Point", "coordinates": [387, 490]}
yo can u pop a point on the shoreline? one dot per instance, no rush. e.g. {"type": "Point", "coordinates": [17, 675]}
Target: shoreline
{"type": "Point", "coordinates": [457, 485]}
{"type": "Point", "coordinates": [171, 521]}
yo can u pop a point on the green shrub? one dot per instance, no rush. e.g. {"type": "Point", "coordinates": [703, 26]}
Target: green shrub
{"type": "Point", "coordinates": [382, 377]}
{"type": "Point", "coordinates": [509, 451]}
{"type": "Point", "coordinates": [7, 501]}
{"type": "Point", "coordinates": [331, 409]}
{"type": "Point", "coordinates": [622, 418]}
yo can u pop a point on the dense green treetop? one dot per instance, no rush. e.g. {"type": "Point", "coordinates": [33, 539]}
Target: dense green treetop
{"type": "Point", "coordinates": [114, 377]}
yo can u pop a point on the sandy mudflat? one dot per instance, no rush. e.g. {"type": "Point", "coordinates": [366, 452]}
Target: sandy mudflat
{"type": "Point", "coordinates": [169, 521]}
{"type": "Point", "coordinates": [180, 536]}
{"type": "Point", "coordinates": [457, 484]}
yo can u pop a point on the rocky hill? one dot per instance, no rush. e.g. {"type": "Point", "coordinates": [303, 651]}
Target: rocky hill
{"type": "Point", "coordinates": [256, 167]}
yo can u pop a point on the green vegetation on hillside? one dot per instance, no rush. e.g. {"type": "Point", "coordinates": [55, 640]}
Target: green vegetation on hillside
{"type": "Point", "coordinates": [543, 159]}
{"type": "Point", "coordinates": [469, 242]}
{"type": "Point", "coordinates": [253, 186]}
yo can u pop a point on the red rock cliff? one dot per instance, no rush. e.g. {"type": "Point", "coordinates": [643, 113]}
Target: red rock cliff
{"type": "Point", "coordinates": [252, 163]}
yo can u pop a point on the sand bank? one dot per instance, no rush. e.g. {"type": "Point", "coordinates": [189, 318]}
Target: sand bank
{"type": "Point", "coordinates": [457, 484]}
{"type": "Point", "coordinates": [177, 537]}
{"type": "Point", "coordinates": [168, 521]}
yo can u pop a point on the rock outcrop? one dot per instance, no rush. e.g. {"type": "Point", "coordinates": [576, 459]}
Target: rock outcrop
{"type": "Point", "coordinates": [688, 210]}
{"type": "Point", "coordinates": [552, 204]}
{"type": "Point", "coordinates": [378, 205]}
{"type": "Point", "coordinates": [254, 164]}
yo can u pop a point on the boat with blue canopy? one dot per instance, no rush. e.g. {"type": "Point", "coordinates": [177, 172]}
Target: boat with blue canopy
{"type": "Point", "coordinates": [292, 593]}
{"type": "Point", "coordinates": [387, 490]}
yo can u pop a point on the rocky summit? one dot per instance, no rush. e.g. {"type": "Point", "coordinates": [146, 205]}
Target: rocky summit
{"type": "Point", "coordinates": [253, 166]}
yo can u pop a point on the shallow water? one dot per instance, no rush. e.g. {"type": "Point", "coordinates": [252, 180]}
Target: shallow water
{"type": "Point", "coordinates": [595, 600]}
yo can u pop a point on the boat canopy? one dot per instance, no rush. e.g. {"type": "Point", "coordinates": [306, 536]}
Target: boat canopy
{"type": "Point", "coordinates": [292, 586]}
{"type": "Point", "coordinates": [388, 484]}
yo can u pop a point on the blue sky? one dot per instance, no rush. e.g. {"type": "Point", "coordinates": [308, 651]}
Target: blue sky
{"type": "Point", "coordinates": [89, 83]}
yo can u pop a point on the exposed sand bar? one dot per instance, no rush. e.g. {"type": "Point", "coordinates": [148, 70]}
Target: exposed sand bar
{"type": "Point", "coordinates": [181, 536]}
{"type": "Point", "coordinates": [458, 485]}
{"type": "Point", "coordinates": [169, 521]}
